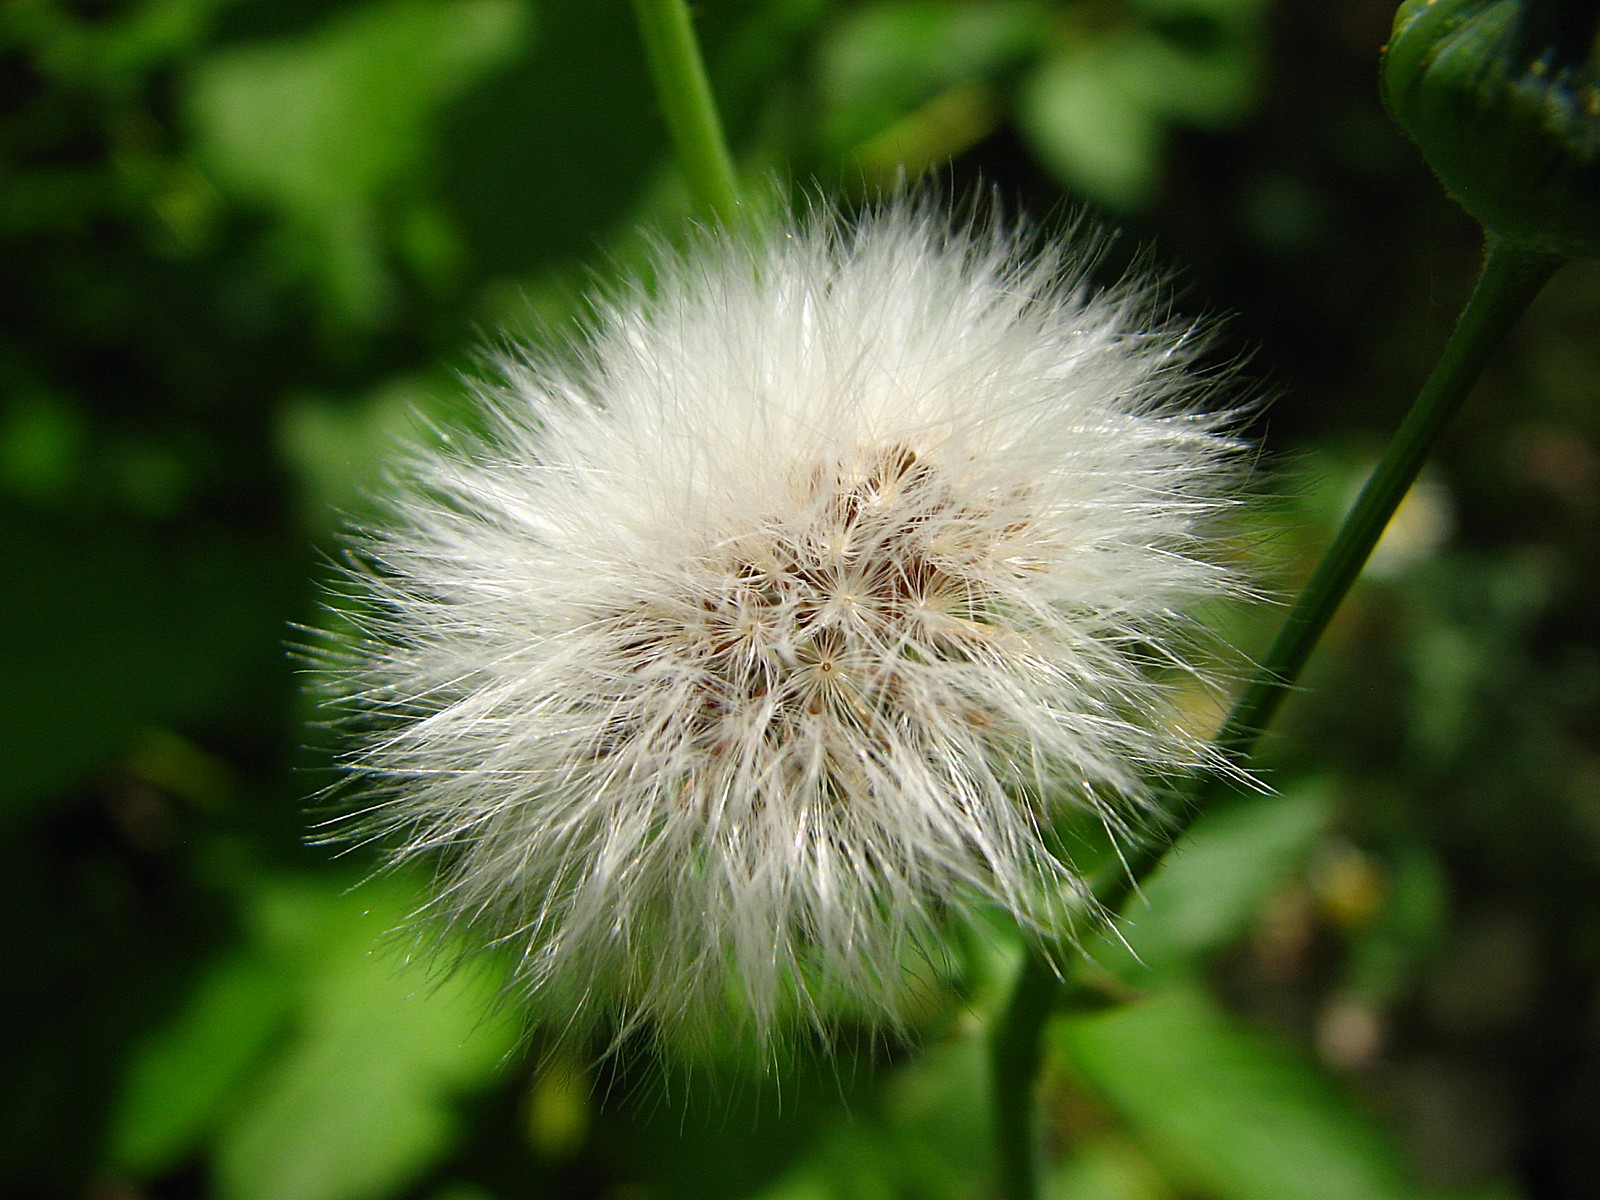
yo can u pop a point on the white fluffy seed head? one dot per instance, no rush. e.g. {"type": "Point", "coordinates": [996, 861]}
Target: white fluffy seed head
{"type": "Point", "coordinates": [788, 618]}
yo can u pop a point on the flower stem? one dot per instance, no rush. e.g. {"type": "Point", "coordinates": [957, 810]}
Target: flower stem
{"type": "Point", "coordinates": [687, 103]}
{"type": "Point", "coordinates": [1507, 284]}
{"type": "Point", "coordinates": [1510, 279]}
{"type": "Point", "coordinates": [1015, 1050]}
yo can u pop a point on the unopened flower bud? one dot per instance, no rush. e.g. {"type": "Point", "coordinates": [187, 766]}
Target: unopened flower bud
{"type": "Point", "coordinates": [1503, 99]}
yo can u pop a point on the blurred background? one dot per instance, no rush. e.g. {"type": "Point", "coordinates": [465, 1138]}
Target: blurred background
{"type": "Point", "coordinates": [249, 244]}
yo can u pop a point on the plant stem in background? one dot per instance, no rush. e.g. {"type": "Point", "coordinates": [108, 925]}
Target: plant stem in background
{"type": "Point", "coordinates": [1507, 284]}
{"type": "Point", "coordinates": [1016, 1048]}
{"type": "Point", "coordinates": [1510, 279]}
{"type": "Point", "coordinates": [687, 104]}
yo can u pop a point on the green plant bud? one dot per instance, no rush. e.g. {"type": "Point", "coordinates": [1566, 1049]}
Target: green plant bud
{"type": "Point", "coordinates": [1503, 99]}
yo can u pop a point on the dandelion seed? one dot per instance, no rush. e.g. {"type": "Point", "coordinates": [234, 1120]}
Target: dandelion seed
{"type": "Point", "coordinates": [790, 616]}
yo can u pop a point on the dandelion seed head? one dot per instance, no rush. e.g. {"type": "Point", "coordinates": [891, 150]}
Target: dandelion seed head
{"type": "Point", "coordinates": [786, 618]}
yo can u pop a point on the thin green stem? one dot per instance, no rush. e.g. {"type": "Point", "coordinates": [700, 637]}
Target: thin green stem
{"type": "Point", "coordinates": [1510, 279]}
{"type": "Point", "coordinates": [1015, 1049]}
{"type": "Point", "coordinates": [687, 103]}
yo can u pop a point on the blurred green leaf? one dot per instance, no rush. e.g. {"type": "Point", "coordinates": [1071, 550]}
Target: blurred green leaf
{"type": "Point", "coordinates": [1211, 887]}
{"type": "Point", "coordinates": [924, 1134]}
{"type": "Point", "coordinates": [337, 449]}
{"type": "Point", "coordinates": [1089, 130]}
{"type": "Point", "coordinates": [1386, 955]}
{"type": "Point", "coordinates": [41, 443]}
{"type": "Point", "coordinates": [950, 123]}
{"type": "Point", "coordinates": [1226, 14]}
{"type": "Point", "coordinates": [558, 150]}
{"type": "Point", "coordinates": [1463, 647]}
{"type": "Point", "coordinates": [360, 1100]}
{"type": "Point", "coordinates": [326, 128]}
{"type": "Point", "coordinates": [181, 1076]}
{"type": "Point", "coordinates": [1098, 108]}
{"type": "Point", "coordinates": [885, 60]}
{"type": "Point", "coordinates": [105, 50]}
{"type": "Point", "coordinates": [561, 1105]}
{"type": "Point", "coordinates": [1208, 88]}
{"type": "Point", "coordinates": [1232, 1113]}
{"type": "Point", "coordinates": [1107, 1168]}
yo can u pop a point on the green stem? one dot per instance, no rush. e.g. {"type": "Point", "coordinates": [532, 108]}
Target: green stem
{"type": "Point", "coordinates": [1015, 1049]}
{"type": "Point", "coordinates": [687, 104]}
{"type": "Point", "coordinates": [1510, 279]}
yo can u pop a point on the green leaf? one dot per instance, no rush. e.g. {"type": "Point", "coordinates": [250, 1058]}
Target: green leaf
{"type": "Point", "coordinates": [361, 1100]}
{"type": "Point", "coordinates": [1089, 130]}
{"type": "Point", "coordinates": [1209, 89]}
{"type": "Point", "coordinates": [1109, 1167]}
{"type": "Point", "coordinates": [1229, 1112]}
{"type": "Point", "coordinates": [884, 60]}
{"type": "Point", "coordinates": [925, 1133]}
{"type": "Point", "coordinates": [1210, 888]}
{"type": "Point", "coordinates": [42, 436]}
{"type": "Point", "coordinates": [1097, 110]}
{"type": "Point", "coordinates": [1386, 956]}
{"type": "Point", "coordinates": [323, 128]}
{"type": "Point", "coordinates": [182, 1074]}
{"type": "Point", "coordinates": [558, 149]}
{"type": "Point", "coordinates": [337, 448]}
{"type": "Point", "coordinates": [1228, 14]}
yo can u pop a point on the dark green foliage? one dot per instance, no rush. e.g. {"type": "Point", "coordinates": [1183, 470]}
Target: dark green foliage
{"type": "Point", "coordinates": [248, 247]}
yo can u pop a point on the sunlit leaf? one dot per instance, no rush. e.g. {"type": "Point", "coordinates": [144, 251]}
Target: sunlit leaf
{"type": "Point", "coordinates": [361, 1099]}
{"type": "Point", "coordinates": [184, 1072]}
{"type": "Point", "coordinates": [1216, 880]}
{"type": "Point", "coordinates": [322, 128]}
{"type": "Point", "coordinates": [1231, 1113]}
{"type": "Point", "coordinates": [885, 60]}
